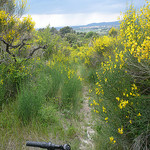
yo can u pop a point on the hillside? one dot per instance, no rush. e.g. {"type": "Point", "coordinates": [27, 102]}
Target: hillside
{"type": "Point", "coordinates": [101, 28]}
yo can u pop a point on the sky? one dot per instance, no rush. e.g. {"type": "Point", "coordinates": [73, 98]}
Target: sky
{"type": "Point", "coordinates": [59, 13]}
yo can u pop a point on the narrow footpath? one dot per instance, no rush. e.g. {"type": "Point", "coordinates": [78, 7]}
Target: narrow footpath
{"type": "Point", "coordinates": [87, 123]}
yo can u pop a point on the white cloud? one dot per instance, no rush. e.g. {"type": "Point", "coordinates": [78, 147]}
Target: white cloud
{"type": "Point", "coordinates": [57, 20]}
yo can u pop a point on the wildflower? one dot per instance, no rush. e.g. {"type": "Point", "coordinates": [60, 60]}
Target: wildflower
{"type": "Point", "coordinates": [139, 114]}
{"type": "Point", "coordinates": [97, 111]}
{"type": "Point", "coordinates": [105, 79]}
{"type": "Point", "coordinates": [106, 119]}
{"type": "Point", "coordinates": [2, 82]}
{"type": "Point", "coordinates": [124, 93]}
{"type": "Point", "coordinates": [117, 98]}
{"type": "Point", "coordinates": [123, 104]}
{"type": "Point", "coordinates": [114, 141]}
{"type": "Point", "coordinates": [120, 130]}
{"type": "Point", "coordinates": [111, 138]}
{"type": "Point", "coordinates": [130, 121]}
{"type": "Point", "coordinates": [38, 58]}
{"type": "Point", "coordinates": [104, 109]}
{"type": "Point", "coordinates": [90, 91]}
{"type": "Point", "coordinates": [79, 78]}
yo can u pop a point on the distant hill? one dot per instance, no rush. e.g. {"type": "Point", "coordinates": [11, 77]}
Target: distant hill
{"type": "Point", "coordinates": [115, 23]}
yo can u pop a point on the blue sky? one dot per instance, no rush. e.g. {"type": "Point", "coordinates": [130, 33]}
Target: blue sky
{"type": "Point", "coordinates": [77, 12]}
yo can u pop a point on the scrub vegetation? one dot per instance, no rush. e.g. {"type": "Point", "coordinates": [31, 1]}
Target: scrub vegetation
{"type": "Point", "coordinates": [42, 73]}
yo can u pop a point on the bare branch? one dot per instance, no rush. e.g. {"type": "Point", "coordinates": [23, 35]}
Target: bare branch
{"type": "Point", "coordinates": [15, 46]}
{"type": "Point", "coordinates": [34, 50]}
{"type": "Point", "coordinates": [7, 50]}
{"type": "Point", "coordinates": [20, 46]}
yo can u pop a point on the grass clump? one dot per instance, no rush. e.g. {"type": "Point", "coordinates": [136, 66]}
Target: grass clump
{"type": "Point", "coordinates": [31, 96]}
{"type": "Point", "coordinates": [71, 93]}
{"type": "Point", "coordinates": [48, 115]}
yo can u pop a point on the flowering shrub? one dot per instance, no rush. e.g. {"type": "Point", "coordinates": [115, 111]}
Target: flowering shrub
{"type": "Point", "coordinates": [122, 90]}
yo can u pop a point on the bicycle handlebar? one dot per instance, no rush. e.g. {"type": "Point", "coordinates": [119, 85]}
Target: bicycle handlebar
{"type": "Point", "coordinates": [49, 146]}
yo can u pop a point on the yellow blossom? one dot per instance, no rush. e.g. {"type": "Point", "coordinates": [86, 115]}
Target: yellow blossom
{"type": "Point", "coordinates": [117, 98]}
{"type": "Point", "coordinates": [106, 119]}
{"type": "Point", "coordinates": [111, 138]}
{"type": "Point", "coordinates": [130, 121]}
{"type": "Point", "coordinates": [139, 114]}
{"type": "Point", "coordinates": [120, 130]}
{"type": "Point", "coordinates": [1, 81]}
{"type": "Point", "coordinates": [104, 109]}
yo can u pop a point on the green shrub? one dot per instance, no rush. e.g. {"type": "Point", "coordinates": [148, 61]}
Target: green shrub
{"type": "Point", "coordinates": [31, 96]}
{"type": "Point", "coordinates": [123, 111]}
{"type": "Point", "coordinates": [11, 76]}
{"type": "Point", "coordinates": [56, 80]}
{"type": "Point", "coordinates": [48, 115]}
{"type": "Point", "coordinates": [91, 75]}
{"type": "Point", "coordinates": [2, 94]}
{"type": "Point", "coordinates": [29, 102]}
{"type": "Point", "coordinates": [71, 93]}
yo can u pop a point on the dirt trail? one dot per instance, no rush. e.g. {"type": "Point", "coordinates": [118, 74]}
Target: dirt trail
{"type": "Point", "coordinates": [87, 124]}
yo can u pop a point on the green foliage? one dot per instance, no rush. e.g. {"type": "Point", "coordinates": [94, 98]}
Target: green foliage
{"type": "Point", "coordinates": [71, 132]}
{"type": "Point", "coordinates": [48, 115]}
{"type": "Point", "coordinates": [2, 94]}
{"type": "Point", "coordinates": [91, 34]}
{"type": "Point", "coordinates": [16, 7]}
{"type": "Point", "coordinates": [30, 98]}
{"type": "Point", "coordinates": [56, 80]}
{"type": "Point", "coordinates": [91, 75]}
{"type": "Point", "coordinates": [63, 31]}
{"type": "Point", "coordinates": [49, 85]}
{"type": "Point", "coordinates": [12, 75]}
{"type": "Point", "coordinates": [71, 93]}
{"type": "Point", "coordinates": [113, 32]}
{"type": "Point", "coordinates": [53, 31]}
{"type": "Point", "coordinates": [71, 38]}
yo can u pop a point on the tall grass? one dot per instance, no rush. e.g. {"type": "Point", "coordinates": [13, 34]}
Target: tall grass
{"type": "Point", "coordinates": [56, 80]}
{"type": "Point", "coordinates": [71, 93]}
{"type": "Point", "coordinates": [31, 97]}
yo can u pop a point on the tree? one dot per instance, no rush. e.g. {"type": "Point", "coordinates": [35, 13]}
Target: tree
{"type": "Point", "coordinates": [15, 34]}
{"type": "Point", "coordinates": [91, 34]}
{"type": "Point", "coordinates": [13, 7]}
{"type": "Point", "coordinates": [66, 30]}
{"type": "Point", "coordinates": [53, 31]}
{"type": "Point", "coordinates": [71, 38]}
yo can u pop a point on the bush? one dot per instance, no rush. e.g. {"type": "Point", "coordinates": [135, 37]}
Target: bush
{"type": "Point", "coordinates": [71, 92]}
{"type": "Point", "coordinates": [31, 96]}
{"type": "Point", "coordinates": [56, 80]}
{"type": "Point", "coordinates": [122, 90]}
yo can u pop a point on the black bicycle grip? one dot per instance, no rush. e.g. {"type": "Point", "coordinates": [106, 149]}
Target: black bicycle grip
{"type": "Point", "coordinates": [38, 144]}
{"type": "Point", "coordinates": [48, 145]}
